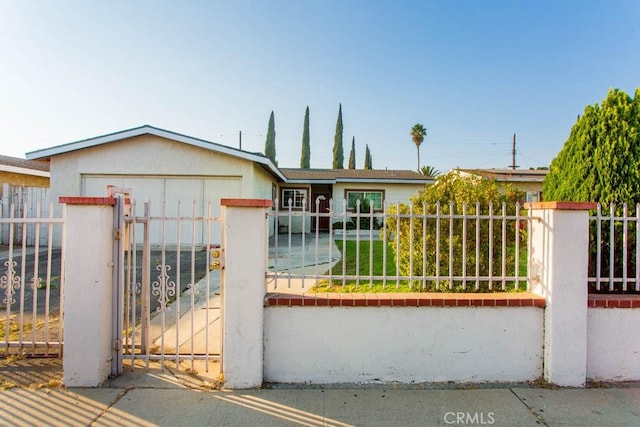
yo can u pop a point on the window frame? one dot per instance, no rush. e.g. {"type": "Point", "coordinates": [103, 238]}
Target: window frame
{"type": "Point", "coordinates": [364, 193]}
{"type": "Point", "coordinates": [284, 201]}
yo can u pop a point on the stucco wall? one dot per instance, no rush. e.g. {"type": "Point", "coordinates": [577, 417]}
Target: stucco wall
{"type": "Point", "coordinates": [393, 193]}
{"type": "Point", "coordinates": [23, 180]}
{"type": "Point", "coordinates": [144, 155]}
{"type": "Point", "coordinates": [613, 344]}
{"type": "Point", "coordinates": [263, 189]}
{"type": "Point", "coordinates": [406, 344]}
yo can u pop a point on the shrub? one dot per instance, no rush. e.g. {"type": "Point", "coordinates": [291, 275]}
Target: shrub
{"type": "Point", "coordinates": [453, 194]}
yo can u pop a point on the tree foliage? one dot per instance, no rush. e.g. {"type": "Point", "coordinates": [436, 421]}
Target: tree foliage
{"type": "Point", "coordinates": [600, 161]}
{"type": "Point", "coordinates": [352, 154]}
{"type": "Point", "coordinates": [270, 142]}
{"type": "Point", "coordinates": [368, 161]}
{"type": "Point", "coordinates": [454, 194]}
{"type": "Point", "coordinates": [430, 171]}
{"type": "Point", "coordinates": [338, 150]}
{"type": "Point", "coordinates": [305, 156]}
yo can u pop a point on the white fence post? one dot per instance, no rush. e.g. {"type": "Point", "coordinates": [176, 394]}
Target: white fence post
{"type": "Point", "coordinates": [558, 270]}
{"type": "Point", "coordinates": [243, 290]}
{"type": "Point", "coordinates": [88, 290]}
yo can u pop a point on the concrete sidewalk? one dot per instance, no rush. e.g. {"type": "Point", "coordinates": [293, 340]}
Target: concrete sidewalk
{"type": "Point", "coordinates": [161, 397]}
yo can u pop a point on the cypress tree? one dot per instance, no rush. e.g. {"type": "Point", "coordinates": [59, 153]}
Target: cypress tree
{"type": "Point", "coordinates": [270, 143]}
{"type": "Point", "coordinates": [352, 154]}
{"type": "Point", "coordinates": [600, 161]}
{"type": "Point", "coordinates": [305, 156]}
{"type": "Point", "coordinates": [338, 151]}
{"type": "Point", "coordinates": [368, 161]}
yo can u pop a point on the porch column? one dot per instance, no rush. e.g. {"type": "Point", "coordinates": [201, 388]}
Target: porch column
{"type": "Point", "coordinates": [245, 248]}
{"type": "Point", "coordinates": [88, 264]}
{"type": "Point", "coordinates": [558, 269]}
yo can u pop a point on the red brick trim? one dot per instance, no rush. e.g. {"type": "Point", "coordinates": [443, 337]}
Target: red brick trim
{"type": "Point", "coordinates": [564, 206]}
{"type": "Point", "coordinates": [614, 301]}
{"type": "Point", "coordinates": [74, 200]}
{"type": "Point", "coordinates": [246, 203]}
{"type": "Point", "coordinates": [523, 299]}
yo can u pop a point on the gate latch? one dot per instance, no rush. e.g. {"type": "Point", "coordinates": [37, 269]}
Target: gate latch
{"type": "Point", "coordinates": [217, 258]}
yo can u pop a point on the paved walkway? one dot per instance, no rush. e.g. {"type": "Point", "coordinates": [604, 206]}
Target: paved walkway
{"type": "Point", "coordinates": [164, 398]}
{"type": "Point", "coordinates": [302, 255]}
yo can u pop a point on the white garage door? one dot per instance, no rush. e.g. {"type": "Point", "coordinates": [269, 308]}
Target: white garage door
{"type": "Point", "coordinates": [199, 196]}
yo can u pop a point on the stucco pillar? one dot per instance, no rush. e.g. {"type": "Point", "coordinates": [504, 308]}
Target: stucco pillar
{"type": "Point", "coordinates": [245, 248]}
{"type": "Point", "coordinates": [558, 271]}
{"type": "Point", "coordinates": [88, 290]}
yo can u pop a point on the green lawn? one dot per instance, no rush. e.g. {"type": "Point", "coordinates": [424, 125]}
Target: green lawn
{"type": "Point", "coordinates": [349, 259]}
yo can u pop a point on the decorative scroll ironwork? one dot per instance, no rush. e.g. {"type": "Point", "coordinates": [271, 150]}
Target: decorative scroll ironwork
{"type": "Point", "coordinates": [134, 288]}
{"type": "Point", "coordinates": [163, 288]}
{"type": "Point", "coordinates": [10, 282]}
{"type": "Point", "coordinates": [36, 283]}
{"type": "Point", "coordinates": [192, 289]}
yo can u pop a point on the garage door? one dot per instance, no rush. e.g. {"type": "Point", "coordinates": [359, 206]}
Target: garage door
{"type": "Point", "coordinates": [166, 195]}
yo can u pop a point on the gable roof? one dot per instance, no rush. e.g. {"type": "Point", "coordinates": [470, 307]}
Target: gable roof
{"type": "Point", "coordinates": [47, 153]}
{"type": "Point", "coordinates": [24, 167]}
{"type": "Point", "coordinates": [333, 176]}
{"type": "Point", "coordinates": [510, 175]}
{"type": "Point", "coordinates": [289, 175]}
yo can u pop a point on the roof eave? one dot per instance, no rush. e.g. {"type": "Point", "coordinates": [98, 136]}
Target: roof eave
{"type": "Point", "coordinates": [150, 130]}
{"type": "Point", "coordinates": [24, 171]}
{"type": "Point", "coordinates": [385, 181]}
{"type": "Point", "coordinates": [310, 181]}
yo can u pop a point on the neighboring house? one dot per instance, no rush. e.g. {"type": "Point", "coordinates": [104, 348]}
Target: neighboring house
{"type": "Point", "coordinates": [24, 184]}
{"type": "Point", "coordinates": [160, 165]}
{"type": "Point", "coordinates": [24, 173]}
{"type": "Point", "coordinates": [529, 181]}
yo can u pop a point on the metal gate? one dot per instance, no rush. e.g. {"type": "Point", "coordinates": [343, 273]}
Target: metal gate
{"type": "Point", "coordinates": [168, 303]}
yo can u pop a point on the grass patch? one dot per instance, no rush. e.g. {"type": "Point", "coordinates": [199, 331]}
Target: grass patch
{"type": "Point", "coordinates": [369, 261]}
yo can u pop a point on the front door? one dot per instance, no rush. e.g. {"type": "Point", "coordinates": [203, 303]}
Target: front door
{"type": "Point", "coordinates": [320, 221]}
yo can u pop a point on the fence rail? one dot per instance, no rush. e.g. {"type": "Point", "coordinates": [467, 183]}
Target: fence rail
{"type": "Point", "coordinates": [32, 283]}
{"type": "Point", "coordinates": [614, 259]}
{"type": "Point", "coordinates": [401, 247]}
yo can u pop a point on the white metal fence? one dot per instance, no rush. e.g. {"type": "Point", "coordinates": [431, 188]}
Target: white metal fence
{"type": "Point", "coordinates": [614, 259]}
{"type": "Point", "coordinates": [172, 284]}
{"type": "Point", "coordinates": [32, 282]}
{"type": "Point", "coordinates": [444, 247]}
{"type": "Point", "coordinates": [29, 201]}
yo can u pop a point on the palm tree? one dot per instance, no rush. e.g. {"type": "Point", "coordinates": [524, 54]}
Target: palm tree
{"type": "Point", "coordinates": [418, 132]}
{"type": "Point", "coordinates": [430, 171]}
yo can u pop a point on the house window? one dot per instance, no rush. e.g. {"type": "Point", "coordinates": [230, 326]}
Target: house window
{"type": "Point", "coordinates": [294, 196]}
{"type": "Point", "coordinates": [533, 196]}
{"type": "Point", "coordinates": [374, 198]}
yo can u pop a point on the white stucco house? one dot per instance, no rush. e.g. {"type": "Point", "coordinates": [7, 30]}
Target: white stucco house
{"type": "Point", "coordinates": [164, 166]}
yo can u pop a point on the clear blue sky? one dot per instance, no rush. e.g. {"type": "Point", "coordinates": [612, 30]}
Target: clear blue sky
{"type": "Point", "coordinates": [472, 72]}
